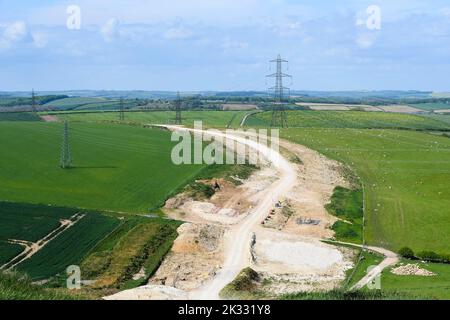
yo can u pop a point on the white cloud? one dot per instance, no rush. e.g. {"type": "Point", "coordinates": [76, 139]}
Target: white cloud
{"type": "Point", "coordinates": [12, 33]}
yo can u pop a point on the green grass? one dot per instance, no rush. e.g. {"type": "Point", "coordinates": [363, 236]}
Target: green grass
{"type": "Point", "coordinates": [8, 251]}
{"type": "Point", "coordinates": [16, 286]}
{"type": "Point", "coordinates": [406, 177]}
{"type": "Point", "coordinates": [30, 222]}
{"type": "Point", "coordinates": [368, 259]}
{"type": "Point", "coordinates": [138, 242]}
{"type": "Point", "coordinates": [116, 167]}
{"type": "Point", "coordinates": [346, 295]}
{"type": "Point", "coordinates": [347, 205]}
{"type": "Point", "coordinates": [19, 116]}
{"type": "Point", "coordinates": [72, 103]}
{"type": "Point", "coordinates": [351, 119]}
{"type": "Point", "coordinates": [436, 287]}
{"type": "Point", "coordinates": [69, 248]}
{"type": "Point", "coordinates": [217, 119]}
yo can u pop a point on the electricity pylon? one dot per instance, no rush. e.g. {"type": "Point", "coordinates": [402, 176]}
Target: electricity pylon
{"type": "Point", "coordinates": [33, 101]}
{"type": "Point", "coordinates": [122, 110]}
{"type": "Point", "coordinates": [66, 156]}
{"type": "Point", "coordinates": [279, 116]}
{"type": "Point", "coordinates": [178, 104]}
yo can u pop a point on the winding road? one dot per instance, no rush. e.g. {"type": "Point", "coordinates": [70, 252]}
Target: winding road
{"type": "Point", "coordinates": [237, 252]}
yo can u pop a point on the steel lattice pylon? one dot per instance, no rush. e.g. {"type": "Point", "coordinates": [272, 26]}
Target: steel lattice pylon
{"type": "Point", "coordinates": [280, 93]}
{"type": "Point", "coordinates": [177, 106]}
{"type": "Point", "coordinates": [66, 156]}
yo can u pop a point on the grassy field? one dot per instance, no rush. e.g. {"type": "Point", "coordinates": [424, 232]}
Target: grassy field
{"type": "Point", "coordinates": [70, 247]}
{"type": "Point", "coordinates": [431, 106]}
{"type": "Point", "coordinates": [406, 177]}
{"type": "Point", "coordinates": [368, 259]}
{"type": "Point", "coordinates": [33, 222]}
{"type": "Point", "coordinates": [16, 286]}
{"type": "Point", "coordinates": [217, 119]}
{"type": "Point", "coordinates": [19, 116]}
{"type": "Point", "coordinates": [435, 287]}
{"type": "Point", "coordinates": [138, 243]}
{"type": "Point", "coordinates": [347, 205]}
{"type": "Point", "coordinates": [30, 222]}
{"type": "Point", "coordinates": [116, 167]}
{"type": "Point", "coordinates": [74, 103]}
{"type": "Point", "coordinates": [351, 119]}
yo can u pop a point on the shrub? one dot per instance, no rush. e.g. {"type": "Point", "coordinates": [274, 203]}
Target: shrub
{"type": "Point", "coordinates": [406, 252]}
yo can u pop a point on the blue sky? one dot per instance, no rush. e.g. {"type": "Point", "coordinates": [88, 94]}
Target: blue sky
{"type": "Point", "coordinates": [192, 45]}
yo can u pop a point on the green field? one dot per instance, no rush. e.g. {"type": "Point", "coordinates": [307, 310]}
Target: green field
{"type": "Point", "coordinates": [406, 177]}
{"type": "Point", "coordinates": [217, 119]}
{"type": "Point", "coordinates": [30, 222]}
{"type": "Point", "coordinates": [73, 103]}
{"type": "Point", "coordinates": [431, 106]}
{"type": "Point", "coordinates": [70, 247]}
{"type": "Point", "coordinates": [19, 116]}
{"type": "Point", "coordinates": [350, 119]}
{"type": "Point", "coordinates": [138, 243]}
{"type": "Point", "coordinates": [435, 287]}
{"type": "Point", "coordinates": [116, 167]}
{"type": "Point", "coordinates": [33, 222]}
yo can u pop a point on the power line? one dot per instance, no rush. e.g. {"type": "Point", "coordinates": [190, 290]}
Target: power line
{"type": "Point", "coordinates": [280, 93]}
{"type": "Point", "coordinates": [66, 156]}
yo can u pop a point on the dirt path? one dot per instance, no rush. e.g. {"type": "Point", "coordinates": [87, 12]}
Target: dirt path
{"type": "Point", "coordinates": [237, 251]}
{"type": "Point", "coordinates": [390, 259]}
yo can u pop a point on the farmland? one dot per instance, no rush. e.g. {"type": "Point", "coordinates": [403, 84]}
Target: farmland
{"type": "Point", "coordinates": [116, 167]}
{"type": "Point", "coordinates": [406, 178]}
{"type": "Point", "coordinates": [4, 116]}
{"type": "Point", "coordinates": [31, 223]}
{"type": "Point", "coordinates": [430, 106]}
{"type": "Point", "coordinates": [351, 119]}
{"type": "Point", "coordinates": [217, 119]}
{"type": "Point", "coordinates": [69, 248]}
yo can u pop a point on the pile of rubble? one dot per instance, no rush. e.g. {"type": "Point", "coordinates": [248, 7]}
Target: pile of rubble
{"type": "Point", "coordinates": [412, 270]}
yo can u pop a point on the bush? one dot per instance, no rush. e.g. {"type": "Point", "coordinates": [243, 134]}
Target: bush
{"type": "Point", "coordinates": [406, 252]}
{"type": "Point", "coordinates": [430, 256]}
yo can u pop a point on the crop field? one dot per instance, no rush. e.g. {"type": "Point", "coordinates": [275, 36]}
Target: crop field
{"type": "Point", "coordinates": [217, 119]}
{"type": "Point", "coordinates": [70, 247]}
{"type": "Point", "coordinates": [431, 106]}
{"type": "Point", "coordinates": [351, 119]}
{"type": "Point", "coordinates": [406, 177]}
{"type": "Point", "coordinates": [115, 167]}
{"type": "Point", "coordinates": [33, 222]}
{"type": "Point", "coordinates": [73, 103]}
{"type": "Point", "coordinates": [30, 222]}
{"type": "Point", "coordinates": [8, 251]}
{"type": "Point", "coordinates": [4, 116]}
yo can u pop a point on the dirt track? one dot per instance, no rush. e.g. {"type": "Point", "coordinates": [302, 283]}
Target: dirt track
{"type": "Point", "coordinates": [306, 186]}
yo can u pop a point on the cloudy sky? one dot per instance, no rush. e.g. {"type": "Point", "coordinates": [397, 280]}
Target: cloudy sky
{"type": "Point", "coordinates": [224, 45]}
